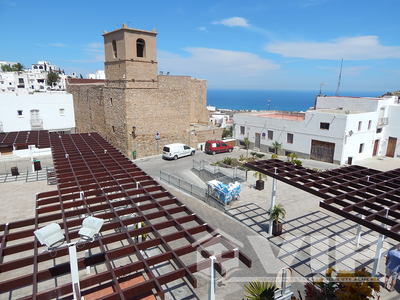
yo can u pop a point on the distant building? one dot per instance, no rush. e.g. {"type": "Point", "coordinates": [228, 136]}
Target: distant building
{"type": "Point", "coordinates": [31, 80]}
{"type": "Point", "coordinates": [53, 111]}
{"type": "Point", "coordinates": [339, 129]}
{"type": "Point", "coordinates": [136, 109]}
{"type": "Point", "coordinates": [98, 75]}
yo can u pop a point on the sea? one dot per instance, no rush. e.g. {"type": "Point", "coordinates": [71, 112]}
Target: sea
{"type": "Point", "coordinates": [272, 99]}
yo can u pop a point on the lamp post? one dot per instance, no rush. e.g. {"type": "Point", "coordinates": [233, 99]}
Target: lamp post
{"type": "Point", "coordinates": [53, 238]}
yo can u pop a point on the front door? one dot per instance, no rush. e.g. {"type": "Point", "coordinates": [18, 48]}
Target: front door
{"type": "Point", "coordinates": [391, 148]}
{"type": "Point", "coordinates": [376, 147]}
{"type": "Point", "coordinates": [257, 141]}
{"type": "Point", "coordinates": [322, 151]}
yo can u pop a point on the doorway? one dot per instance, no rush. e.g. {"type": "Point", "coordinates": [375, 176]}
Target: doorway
{"type": "Point", "coordinates": [257, 141]}
{"type": "Point", "coordinates": [376, 147]}
{"type": "Point", "coordinates": [391, 148]}
{"type": "Point", "coordinates": [322, 151]}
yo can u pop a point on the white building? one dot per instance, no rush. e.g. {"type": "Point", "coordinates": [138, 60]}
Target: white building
{"type": "Point", "coordinates": [98, 75]}
{"type": "Point", "coordinates": [31, 80]}
{"type": "Point", "coordinates": [53, 111]}
{"type": "Point", "coordinates": [339, 129]}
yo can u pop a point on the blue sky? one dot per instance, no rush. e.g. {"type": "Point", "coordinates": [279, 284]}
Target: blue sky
{"type": "Point", "coordinates": [267, 44]}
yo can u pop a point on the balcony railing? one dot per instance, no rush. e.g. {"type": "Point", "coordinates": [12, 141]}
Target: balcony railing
{"type": "Point", "coordinates": [383, 121]}
{"type": "Point", "coordinates": [36, 124]}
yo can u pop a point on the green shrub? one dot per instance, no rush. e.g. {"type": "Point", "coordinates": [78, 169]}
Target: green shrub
{"type": "Point", "coordinates": [298, 162]}
{"type": "Point", "coordinates": [260, 155]}
{"type": "Point", "coordinates": [227, 161]}
{"type": "Point", "coordinates": [274, 156]}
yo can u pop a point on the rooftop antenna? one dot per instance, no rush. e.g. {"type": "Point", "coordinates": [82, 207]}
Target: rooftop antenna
{"type": "Point", "coordinates": [340, 79]}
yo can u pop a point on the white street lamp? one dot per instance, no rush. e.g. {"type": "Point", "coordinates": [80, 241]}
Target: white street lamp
{"type": "Point", "coordinates": [53, 238]}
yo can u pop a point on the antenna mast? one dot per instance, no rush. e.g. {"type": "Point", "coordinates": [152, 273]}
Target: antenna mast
{"type": "Point", "coordinates": [340, 79]}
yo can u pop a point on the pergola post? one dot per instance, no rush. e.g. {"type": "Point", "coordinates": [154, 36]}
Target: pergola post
{"type": "Point", "coordinates": [273, 199]}
{"type": "Point", "coordinates": [378, 250]}
{"type": "Point", "coordinates": [73, 262]}
{"type": "Point", "coordinates": [358, 235]}
{"type": "Point", "coordinates": [211, 289]}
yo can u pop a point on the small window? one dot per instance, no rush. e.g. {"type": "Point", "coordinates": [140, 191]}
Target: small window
{"type": "Point", "coordinates": [290, 138]}
{"type": "Point", "coordinates": [186, 147]}
{"type": "Point", "coordinates": [218, 145]}
{"type": "Point", "coordinates": [224, 145]}
{"type": "Point", "coordinates": [113, 128]}
{"type": "Point", "coordinates": [369, 124]}
{"type": "Point", "coordinates": [361, 149]}
{"type": "Point", "coordinates": [111, 103]}
{"type": "Point", "coordinates": [114, 48]}
{"type": "Point", "coordinates": [140, 47]}
{"type": "Point", "coordinates": [359, 125]}
{"type": "Point", "coordinates": [324, 126]}
{"type": "Point", "coordinates": [270, 135]}
{"type": "Point", "coordinates": [242, 130]}
{"type": "Point", "coordinates": [166, 149]}
{"type": "Point", "coordinates": [62, 111]}
{"type": "Point", "coordinates": [20, 113]}
{"type": "Point", "coordinates": [20, 80]}
{"type": "Point", "coordinates": [378, 130]}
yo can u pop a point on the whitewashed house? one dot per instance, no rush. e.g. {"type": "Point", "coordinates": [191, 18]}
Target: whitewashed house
{"type": "Point", "coordinates": [53, 111]}
{"type": "Point", "coordinates": [338, 129]}
{"type": "Point", "coordinates": [33, 79]}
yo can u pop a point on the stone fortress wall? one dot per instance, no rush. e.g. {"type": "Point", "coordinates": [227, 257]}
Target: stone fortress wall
{"type": "Point", "coordinates": [134, 103]}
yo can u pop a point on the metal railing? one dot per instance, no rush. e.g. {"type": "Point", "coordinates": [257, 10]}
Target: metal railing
{"type": "Point", "coordinates": [192, 189]}
{"type": "Point", "coordinates": [383, 121]}
{"type": "Point", "coordinates": [226, 174]}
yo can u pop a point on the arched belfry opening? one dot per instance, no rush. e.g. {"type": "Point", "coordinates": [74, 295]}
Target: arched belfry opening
{"type": "Point", "coordinates": [140, 48]}
{"type": "Point", "coordinates": [114, 47]}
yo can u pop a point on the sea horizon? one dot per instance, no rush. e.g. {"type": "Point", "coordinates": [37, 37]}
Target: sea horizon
{"type": "Point", "coordinates": [286, 100]}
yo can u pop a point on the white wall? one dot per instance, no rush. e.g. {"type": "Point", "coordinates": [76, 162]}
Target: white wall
{"type": "Point", "coordinates": [393, 128]}
{"type": "Point", "coordinates": [303, 131]}
{"type": "Point", "coordinates": [48, 105]}
{"type": "Point", "coordinates": [353, 103]}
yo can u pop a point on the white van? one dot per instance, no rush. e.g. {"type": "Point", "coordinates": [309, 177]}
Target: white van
{"type": "Point", "coordinates": [174, 151]}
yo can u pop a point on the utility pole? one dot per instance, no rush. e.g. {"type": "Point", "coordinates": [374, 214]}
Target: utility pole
{"type": "Point", "coordinates": [340, 78]}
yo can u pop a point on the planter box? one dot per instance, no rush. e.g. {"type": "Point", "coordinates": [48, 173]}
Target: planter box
{"type": "Point", "coordinates": [276, 228]}
{"type": "Point", "coordinates": [260, 185]}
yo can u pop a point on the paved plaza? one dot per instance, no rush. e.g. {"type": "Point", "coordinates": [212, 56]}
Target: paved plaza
{"type": "Point", "coordinates": [313, 238]}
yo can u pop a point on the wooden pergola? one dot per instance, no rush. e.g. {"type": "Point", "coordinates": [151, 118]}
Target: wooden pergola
{"type": "Point", "coordinates": [95, 179]}
{"type": "Point", "coordinates": [368, 197]}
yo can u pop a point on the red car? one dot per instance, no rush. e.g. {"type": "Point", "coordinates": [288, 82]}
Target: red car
{"type": "Point", "coordinates": [213, 147]}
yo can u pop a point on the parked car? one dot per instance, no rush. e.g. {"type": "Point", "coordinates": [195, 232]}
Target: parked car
{"type": "Point", "coordinates": [175, 151]}
{"type": "Point", "coordinates": [213, 147]}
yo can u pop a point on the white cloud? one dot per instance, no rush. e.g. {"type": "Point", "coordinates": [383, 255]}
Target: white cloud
{"type": "Point", "coordinates": [233, 22]}
{"type": "Point", "coordinates": [202, 28]}
{"type": "Point", "coordinates": [221, 68]}
{"type": "Point", "coordinates": [348, 48]}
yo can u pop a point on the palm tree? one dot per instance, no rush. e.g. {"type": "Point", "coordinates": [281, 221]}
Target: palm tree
{"type": "Point", "coordinates": [257, 290]}
{"type": "Point", "coordinates": [277, 146]}
{"type": "Point", "coordinates": [246, 142]}
{"type": "Point", "coordinates": [277, 213]}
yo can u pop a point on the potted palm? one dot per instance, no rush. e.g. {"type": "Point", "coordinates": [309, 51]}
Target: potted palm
{"type": "Point", "coordinates": [259, 181]}
{"type": "Point", "coordinates": [257, 290]}
{"type": "Point", "coordinates": [277, 214]}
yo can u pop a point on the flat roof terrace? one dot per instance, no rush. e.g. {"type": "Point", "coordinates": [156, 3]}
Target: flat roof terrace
{"type": "Point", "coordinates": [284, 115]}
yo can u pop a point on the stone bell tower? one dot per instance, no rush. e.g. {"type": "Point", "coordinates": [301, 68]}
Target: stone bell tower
{"type": "Point", "coordinates": [130, 58]}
